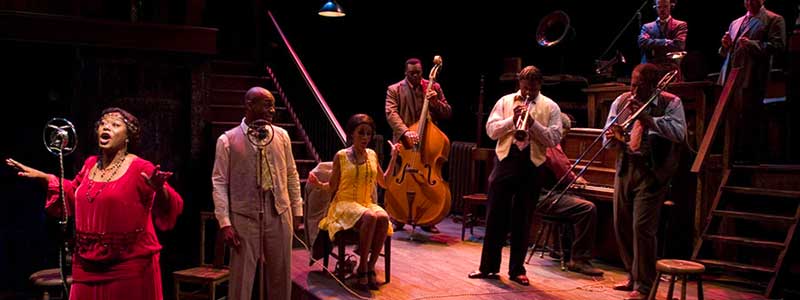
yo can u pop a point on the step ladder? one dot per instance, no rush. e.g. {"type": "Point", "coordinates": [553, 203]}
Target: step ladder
{"type": "Point", "coordinates": [752, 222]}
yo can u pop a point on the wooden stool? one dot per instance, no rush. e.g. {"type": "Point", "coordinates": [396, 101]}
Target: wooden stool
{"type": "Point", "coordinates": [678, 268]}
{"type": "Point", "coordinates": [555, 227]}
{"type": "Point", "coordinates": [49, 279]}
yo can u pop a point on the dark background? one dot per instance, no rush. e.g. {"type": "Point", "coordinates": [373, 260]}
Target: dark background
{"type": "Point", "coordinates": [352, 59]}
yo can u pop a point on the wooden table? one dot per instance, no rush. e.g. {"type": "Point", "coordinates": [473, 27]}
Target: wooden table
{"type": "Point", "coordinates": [599, 94]}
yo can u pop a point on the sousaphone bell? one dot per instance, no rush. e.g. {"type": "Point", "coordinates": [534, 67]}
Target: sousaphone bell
{"type": "Point", "coordinates": [553, 28]}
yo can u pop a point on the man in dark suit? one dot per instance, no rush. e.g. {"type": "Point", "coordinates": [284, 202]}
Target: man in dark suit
{"type": "Point", "coordinates": [665, 34]}
{"type": "Point", "coordinates": [749, 44]}
{"type": "Point", "coordinates": [404, 101]}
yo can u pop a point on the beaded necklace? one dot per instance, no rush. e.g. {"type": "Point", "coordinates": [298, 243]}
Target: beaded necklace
{"type": "Point", "coordinates": [366, 176]}
{"type": "Point", "coordinates": [105, 176]}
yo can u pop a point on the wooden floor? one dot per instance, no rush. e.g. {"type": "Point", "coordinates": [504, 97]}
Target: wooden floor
{"type": "Point", "coordinates": [435, 270]}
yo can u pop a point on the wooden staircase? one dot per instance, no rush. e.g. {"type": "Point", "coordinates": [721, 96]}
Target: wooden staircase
{"type": "Point", "coordinates": [229, 81]}
{"type": "Point", "coordinates": [752, 223]}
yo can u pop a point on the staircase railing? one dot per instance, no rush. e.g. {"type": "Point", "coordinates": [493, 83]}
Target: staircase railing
{"type": "Point", "coordinates": [320, 124]}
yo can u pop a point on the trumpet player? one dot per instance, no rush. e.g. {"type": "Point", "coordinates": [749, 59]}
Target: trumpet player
{"type": "Point", "coordinates": [524, 123]}
{"type": "Point", "coordinates": [647, 160]}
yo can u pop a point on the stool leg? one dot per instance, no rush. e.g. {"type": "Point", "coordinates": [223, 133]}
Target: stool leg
{"type": "Point", "coordinates": [561, 233]}
{"type": "Point", "coordinates": [547, 232]}
{"type": "Point", "coordinates": [535, 242]}
{"type": "Point", "coordinates": [654, 289]}
{"type": "Point", "coordinates": [671, 287]}
{"type": "Point", "coordinates": [387, 257]}
{"type": "Point", "coordinates": [683, 287]}
{"type": "Point", "coordinates": [699, 287]}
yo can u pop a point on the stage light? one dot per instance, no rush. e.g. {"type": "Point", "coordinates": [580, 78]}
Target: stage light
{"type": "Point", "coordinates": [331, 9]}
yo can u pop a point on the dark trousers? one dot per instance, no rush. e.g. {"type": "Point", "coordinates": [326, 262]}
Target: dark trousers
{"type": "Point", "coordinates": [583, 215]}
{"type": "Point", "coordinates": [638, 197]}
{"type": "Point", "coordinates": [513, 192]}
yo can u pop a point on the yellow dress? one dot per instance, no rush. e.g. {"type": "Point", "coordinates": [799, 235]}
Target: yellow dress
{"type": "Point", "coordinates": [355, 194]}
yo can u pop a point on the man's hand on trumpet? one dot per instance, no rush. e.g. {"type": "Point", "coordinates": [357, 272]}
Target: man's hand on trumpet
{"type": "Point", "coordinates": [519, 110]}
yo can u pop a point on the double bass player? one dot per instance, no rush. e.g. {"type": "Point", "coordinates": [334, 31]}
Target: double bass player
{"type": "Point", "coordinates": [404, 104]}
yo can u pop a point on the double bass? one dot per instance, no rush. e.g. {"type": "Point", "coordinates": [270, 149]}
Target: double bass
{"type": "Point", "coordinates": [416, 193]}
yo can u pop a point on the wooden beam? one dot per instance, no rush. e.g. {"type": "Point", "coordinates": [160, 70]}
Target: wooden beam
{"type": "Point", "coordinates": [58, 29]}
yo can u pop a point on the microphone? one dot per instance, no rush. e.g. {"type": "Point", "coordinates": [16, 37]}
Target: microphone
{"type": "Point", "coordinates": [59, 136]}
{"type": "Point", "coordinates": [260, 132]}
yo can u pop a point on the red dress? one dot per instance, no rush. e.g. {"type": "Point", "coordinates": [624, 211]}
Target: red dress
{"type": "Point", "coordinates": [116, 249]}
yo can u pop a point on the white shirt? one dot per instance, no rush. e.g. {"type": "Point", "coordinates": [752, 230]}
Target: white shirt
{"type": "Point", "coordinates": [543, 133]}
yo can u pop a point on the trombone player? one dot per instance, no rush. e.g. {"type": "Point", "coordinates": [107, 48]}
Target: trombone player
{"type": "Point", "coordinates": [647, 159]}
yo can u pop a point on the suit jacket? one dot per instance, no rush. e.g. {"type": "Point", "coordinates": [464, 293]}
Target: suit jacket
{"type": "Point", "coordinates": [767, 33]}
{"type": "Point", "coordinates": [403, 108]}
{"type": "Point", "coordinates": [662, 40]}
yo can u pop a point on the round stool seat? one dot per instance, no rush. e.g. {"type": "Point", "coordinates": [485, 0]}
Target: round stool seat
{"type": "Point", "coordinates": [678, 266]}
{"type": "Point", "coordinates": [48, 277]}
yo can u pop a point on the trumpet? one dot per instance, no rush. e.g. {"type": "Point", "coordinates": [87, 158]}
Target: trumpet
{"type": "Point", "coordinates": [521, 127]}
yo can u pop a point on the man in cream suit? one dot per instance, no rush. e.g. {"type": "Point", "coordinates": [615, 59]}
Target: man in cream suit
{"type": "Point", "coordinates": [256, 191]}
{"type": "Point", "coordinates": [515, 182]}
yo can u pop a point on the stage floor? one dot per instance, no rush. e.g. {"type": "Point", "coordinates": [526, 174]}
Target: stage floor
{"type": "Point", "coordinates": [436, 270]}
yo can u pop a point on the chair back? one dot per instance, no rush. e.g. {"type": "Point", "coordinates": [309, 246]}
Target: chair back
{"type": "Point", "coordinates": [483, 160]}
{"type": "Point", "coordinates": [219, 250]}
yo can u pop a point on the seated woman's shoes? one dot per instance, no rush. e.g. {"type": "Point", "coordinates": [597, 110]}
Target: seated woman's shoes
{"type": "Point", "coordinates": [372, 281]}
{"type": "Point", "coordinates": [521, 279]}
{"type": "Point", "coordinates": [624, 286]}
{"type": "Point", "coordinates": [481, 275]}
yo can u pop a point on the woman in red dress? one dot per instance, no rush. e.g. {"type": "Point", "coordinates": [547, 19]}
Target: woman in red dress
{"type": "Point", "coordinates": [115, 199]}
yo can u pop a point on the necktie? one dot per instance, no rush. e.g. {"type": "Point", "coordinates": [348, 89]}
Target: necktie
{"type": "Point", "coordinates": [635, 142]}
{"type": "Point", "coordinates": [266, 177]}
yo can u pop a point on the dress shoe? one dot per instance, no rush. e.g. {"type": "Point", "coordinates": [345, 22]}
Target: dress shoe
{"type": "Point", "coordinates": [521, 279]}
{"type": "Point", "coordinates": [431, 229]}
{"type": "Point", "coordinates": [635, 295]}
{"type": "Point", "coordinates": [584, 267]}
{"type": "Point", "coordinates": [624, 286]}
{"type": "Point", "coordinates": [481, 275]}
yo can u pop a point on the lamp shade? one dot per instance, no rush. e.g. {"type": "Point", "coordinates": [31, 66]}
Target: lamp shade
{"type": "Point", "coordinates": [331, 9]}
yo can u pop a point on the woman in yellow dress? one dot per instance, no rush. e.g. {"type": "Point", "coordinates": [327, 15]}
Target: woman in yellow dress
{"type": "Point", "coordinates": [355, 173]}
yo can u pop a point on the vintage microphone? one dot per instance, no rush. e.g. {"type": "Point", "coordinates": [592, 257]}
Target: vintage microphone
{"type": "Point", "coordinates": [60, 139]}
{"type": "Point", "coordinates": [260, 133]}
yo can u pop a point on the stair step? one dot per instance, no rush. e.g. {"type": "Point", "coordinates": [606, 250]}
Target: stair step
{"type": "Point", "coordinates": [744, 241]}
{"type": "Point", "coordinates": [235, 113]}
{"type": "Point", "coordinates": [762, 192]}
{"type": "Point", "coordinates": [229, 96]}
{"type": "Point", "coordinates": [729, 265]}
{"type": "Point", "coordinates": [238, 82]}
{"type": "Point", "coordinates": [234, 67]}
{"type": "Point", "coordinates": [754, 216]}
{"type": "Point", "coordinates": [768, 168]}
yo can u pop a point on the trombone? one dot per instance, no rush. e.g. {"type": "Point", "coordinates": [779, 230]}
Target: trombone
{"type": "Point", "coordinates": [662, 84]}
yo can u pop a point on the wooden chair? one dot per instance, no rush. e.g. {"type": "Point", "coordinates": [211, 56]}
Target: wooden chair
{"type": "Point", "coordinates": [205, 275]}
{"type": "Point", "coordinates": [341, 241]}
{"type": "Point", "coordinates": [49, 280]}
{"type": "Point", "coordinates": [483, 160]}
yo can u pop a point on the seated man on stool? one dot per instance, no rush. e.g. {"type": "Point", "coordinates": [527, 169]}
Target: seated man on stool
{"type": "Point", "coordinates": [582, 213]}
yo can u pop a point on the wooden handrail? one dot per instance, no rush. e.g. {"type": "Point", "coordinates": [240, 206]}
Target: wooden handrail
{"type": "Point", "coordinates": [716, 120]}
{"type": "Point", "coordinates": [310, 82]}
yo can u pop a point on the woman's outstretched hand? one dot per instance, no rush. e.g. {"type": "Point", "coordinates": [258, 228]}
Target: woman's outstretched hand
{"type": "Point", "coordinates": [157, 179]}
{"type": "Point", "coordinates": [395, 148]}
{"type": "Point", "coordinates": [27, 172]}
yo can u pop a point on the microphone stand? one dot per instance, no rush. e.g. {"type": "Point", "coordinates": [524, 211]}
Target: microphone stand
{"type": "Point", "coordinates": [636, 15]}
{"type": "Point", "coordinates": [260, 142]}
{"type": "Point", "coordinates": [63, 251]}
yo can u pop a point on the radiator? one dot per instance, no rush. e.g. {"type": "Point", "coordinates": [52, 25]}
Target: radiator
{"type": "Point", "coordinates": [460, 168]}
